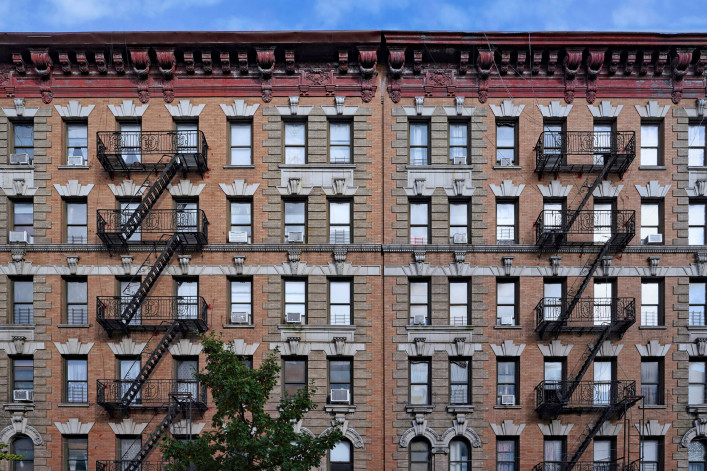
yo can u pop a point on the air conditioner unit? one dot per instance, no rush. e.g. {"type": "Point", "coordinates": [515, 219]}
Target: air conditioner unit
{"type": "Point", "coordinates": [419, 319]}
{"type": "Point", "coordinates": [22, 395]}
{"type": "Point", "coordinates": [506, 162]}
{"type": "Point", "coordinates": [294, 318]}
{"type": "Point", "coordinates": [508, 400]}
{"type": "Point", "coordinates": [339, 395]}
{"type": "Point", "coordinates": [20, 158]}
{"type": "Point", "coordinates": [506, 320]}
{"type": "Point", "coordinates": [239, 317]}
{"type": "Point", "coordinates": [460, 239]}
{"type": "Point", "coordinates": [654, 239]}
{"type": "Point", "coordinates": [459, 160]}
{"type": "Point", "coordinates": [18, 236]}
{"type": "Point", "coordinates": [295, 236]}
{"type": "Point", "coordinates": [75, 160]}
{"type": "Point", "coordinates": [240, 237]}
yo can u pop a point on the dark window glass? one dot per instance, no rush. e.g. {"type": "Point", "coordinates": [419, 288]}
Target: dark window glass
{"type": "Point", "coordinates": [420, 382]}
{"type": "Point", "coordinates": [295, 374]}
{"type": "Point", "coordinates": [23, 301]}
{"type": "Point", "coordinates": [76, 453]}
{"type": "Point", "coordinates": [460, 381]}
{"type": "Point", "coordinates": [420, 458]}
{"type": "Point", "coordinates": [24, 139]}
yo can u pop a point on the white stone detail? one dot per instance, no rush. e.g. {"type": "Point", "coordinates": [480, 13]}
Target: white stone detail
{"type": "Point", "coordinates": [608, 349]}
{"type": "Point", "coordinates": [127, 346]}
{"type": "Point", "coordinates": [652, 110]}
{"type": "Point", "coordinates": [555, 349]}
{"type": "Point", "coordinates": [555, 190]}
{"type": "Point", "coordinates": [459, 109]}
{"type": "Point", "coordinates": [507, 428]}
{"type": "Point", "coordinates": [653, 349]}
{"type": "Point", "coordinates": [294, 108]}
{"type": "Point", "coordinates": [184, 109]}
{"type": "Point", "coordinates": [128, 427]}
{"type": "Point", "coordinates": [185, 348]}
{"type": "Point", "coordinates": [74, 427]}
{"type": "Point", "coordinates": [19, 426]}
{"type": "Point", "coordinates": [607, 190]}
{"type": "Point", "coordinates": [454, 182]}
{"type": "Point", "coordinates": [127, 188]}
{"type": "Point", "coordinates": [653, 428]}
{"type": "Point", "coordinates": [239, 108]}
{"type": "Point", "coordinates": [339, 109]}
{"type": "Point", "coordinates": [605, 110]}
{"type": "Point", "coordinates": [74, 109]}
{"type": "Point", "coordinates": [73, 188]}
{"type": "Point", "coordinates": [19, 110]}
{"type": "Point", "coordinates": [418, 109]}
{"type": "Point", "coordinates": [608, 429]}
{"type": "Point", "coordinates": [128, 109]}
{"type": "Point", "coordinates": [19, 346]}
{"type": "Point", "coordinates": [555, 110]}
{"type": "Point", "coordinates": [312, 176]}
{"type": "Point", "coordinates": [18, 182]}
{"type": "Point", "coordinates": [239, 188]}
{"type": "Point", "coordinates": [73, 347]}
{"type": "Point", "coordinates": [555, 428]}
{"type": "Point", "coordinates": [185, 188]}
{"type": "Point", "coordinates": [507, 189]}
{"type": "Point", "coordinates": [507, 109]}
{"type": "Point", "coordinates": [508, 349]}
{"type": "Point", "coordinates": [240, 347]}
{"type": "Point", "coordinates": [653, 190]}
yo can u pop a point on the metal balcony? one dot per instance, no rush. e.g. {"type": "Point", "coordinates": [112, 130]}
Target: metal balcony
{"type": "Point", "coordinates": [588, 315]}
{"type": "Point", "coordinates": [147, 151]}
{"type": "Point", "coordinates": [589, 228]}
{"type": "Point", "coordinates": [553, 397]}
{"type": "Point", "coordinates": [156, 312]}
{"type": "Point", "coordinates": [584, 151]}
{"type": "Point", "coordinates": [154, 393]}
{"type": "Point", "coordinates": [122, 465]}
{"type": "Point", "coordinates": [155, 228]}
{"type": "Point", "coordinates": [616, 465]}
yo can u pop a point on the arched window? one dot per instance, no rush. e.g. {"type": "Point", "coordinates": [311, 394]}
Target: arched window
{"type": "Point", "coordinates": [420, 455]}
{"type": "Point", "coordinates": [459, 455]}
{"type": "Point", "coordinates": [696, 455]}
{"type": "Point", "coordinates": [341, 456]}
{"type": "Point", "coordinates": [22, 445]}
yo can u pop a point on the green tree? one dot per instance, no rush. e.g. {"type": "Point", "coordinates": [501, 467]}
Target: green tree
{"type": "Point", "coordinates": [4, 455]}
{"type": "Point", "coordinates": [245, 436]}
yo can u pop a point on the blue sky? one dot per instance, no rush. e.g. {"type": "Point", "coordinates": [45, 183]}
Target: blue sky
{"type": "Point", "coordinates": [447, 15]}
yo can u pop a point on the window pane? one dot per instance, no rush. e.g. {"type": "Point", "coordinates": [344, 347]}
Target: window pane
{"type": "Point", "coordinates": [294, 213]}
{"type": "Point", "coordinates": [459, 371]}
{"type": "Point", "coordinates": [458, 214]}
{"type": "Point", "coordinates": [649, 214]}
{"type": "Point", "coordinates": [295, 371]}
{"type": "Point", "coordinates": [696, 135]}
{"type": "Point", "coordinates": [418, 134]}
{"type": "Point", "coordinates": [341, 453]}
{"type": "Point", "coordinates": [294, 134]}
{"type": "Point", "coordinates": [240, 156]}
{"type": "Point", "coordinates": [23, 214]}
{"type": "Point", "coordinates": [339, 372]}
{"type": "Point", "coordinates": [340, 292]}
{"type": "Point", "coordinates": [241, 292]}
{"type": "Point", "coordinates": [418, 292]}
{"type": "Point", "coordinates": [418, 213]}
{"type": "Point", "coordinates": [76, 370]}
{"type": "Point", "coordinates": [649, 156]}
{"type": "Point", "coordinates": [505, 214]}
{"type": "Point", "coordinates": [697, 293]}
{"type": "Point", "coordinates": [24, 135]}
{"type": "Point", "coordinates": [77, 135]}
{"type": "Point", "coordinates": [295, 291]}
{"type": "Point", "coordinates": [339, 212]}
{"type": "Point", "coordinates": [294, 155]}
{"type": "Point", "coordinates": [339, 134]}
{"type": "Point", "coordinates": [505, 136]}
{"type": "Point", "coordinates": [649, 135]}
{"type": "Point", "coordinates": [419, 372]}
{"type": "Point", "coordinates": [240, 134]}
{"type": "Point", "coordinates": [505, 293]}
{"type": "Point", "coordinates": [697, 215]}
{"type": "Point", "coordinates": [457, 135]}
{"type": "Point", "coordinates": [23, 291]}
{"type": "Point", "coordinates": [240, 214]}
{"type": "Point", "coordinates": [650, 293]}
{"type": "Point", "coordinates": [76, 291]}
{"type": "Point", "coordinates": [76, 213]}
{"type": "Point", "coordinates": [458, 292]}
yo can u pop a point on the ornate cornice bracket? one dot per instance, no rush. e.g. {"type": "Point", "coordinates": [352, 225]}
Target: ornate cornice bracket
{"type": "Point", "coordinates": [679, 62]}
{"type": "Point", "coordinates": [368, 58]}
{"type": "Point", "coordinates": [484, 61]}
{"type": "Point", "coordinates": [571, 64]}
{"type": "Point", "coordinates": [593, 63]}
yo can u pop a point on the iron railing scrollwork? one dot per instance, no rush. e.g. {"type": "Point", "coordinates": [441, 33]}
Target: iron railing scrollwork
{"type": "Point", "coordinates": [153, 393]}
{"type": "Point", "coordinates": [589, 227]}
{"type": "Point", "coordinates": [615, 465]}
{"type": "Point", "coordinates": [122, 465]}
{"type": "Point", "coordinates": [589, 312]}
{"type": "Point", "coordinates": [156, 222]}
{"type": "Point", "coordinates": [586, 394]}
{"type": "Point", "coordinates": [154, 309]}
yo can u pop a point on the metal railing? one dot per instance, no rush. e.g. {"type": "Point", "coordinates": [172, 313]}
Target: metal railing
{"type": "Point", "coordinates": [588, 312]}
{"type": "Point", "coordinates": [154, 393]}
{"type": "Point", "coordinates": [589, 227]}
{"type": "Point", "coordinates": [587, 394]}
{"type": "Point", "coordinates": [77, 315]}
{"type": "Point", "coordinates": [158, 222]}
{"type": "Point", "coordinates": [339, 236]}
{"type": "Point", "coordinates": [616, 465]}
{"type": "Point", "coordinates": [23, 315]}
{"type": "Point", "coordinates": [154, 310]}
{"type": "Point", "coordinates": [122, 465]}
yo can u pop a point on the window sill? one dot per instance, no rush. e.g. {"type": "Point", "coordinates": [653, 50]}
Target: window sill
{"type": "Point", "coordinates": [73, 326]}
{"type": "Point", "coordinates": [18, 407]}
{"type": "Point", "coordinates": [419, 408]}
{"type": "Point", "coordinates": [507, 167]}
{"type": "Point", "coordinates": [652, 327]}
{"type": "Point", "coordinates": [511, 327]}
{"type": "Point", "coordinates": [440, 166]}
{"type": "Point", "coordinates": [310, 166]}
{"type": "Point", "coordinates": [507, 407]}
{"type": "Point", "coordinates": [699, 168]}
{"type": "Point", "coordinates": [697, 408]}
{"type": "Point", "coordinates": [340, 408]}
{"type": "Point", "coordinates": [655, 406]}
{"type": "Point", "coordinates": [73, 167]}
{"type": "Point", "coordinates": [652, 167]}
{"type": "Point", "coordinates": [460, 408]}
{"type": "Point", "coordinates": [74, 404]}
{"type": "Point", "coordinates": [238, 166]}
{"type": "Point", "coordinates": [238, 326]}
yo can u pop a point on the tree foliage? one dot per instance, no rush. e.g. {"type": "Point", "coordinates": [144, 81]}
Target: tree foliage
{"type": "Point", "coordinates": [4, 455]}
{"type": "Point", "coordinates": [244, 435]}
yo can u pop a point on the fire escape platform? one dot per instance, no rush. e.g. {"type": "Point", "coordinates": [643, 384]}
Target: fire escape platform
{"type": "Point", "coordinates": [555, 398]}
{"type": "Point", "coordinates": [589, 316]}
{"type": "Point", "coordinates": [589, 229]}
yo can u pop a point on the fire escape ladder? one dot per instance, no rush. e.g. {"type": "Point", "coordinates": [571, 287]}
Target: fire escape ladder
{"type": "Point", "coordinates": [175, 241]}
{"type": "Point", "coordinates": [151, 363]}
{"type": "Point", "coordinates": [590, 190]}
{"type": "Point", "coordinates": [589, 434]}
{"type": "Point", "coordinates": [153, 194]}
{"type": "Point", "coordinates": [585, 282]}
{"type": "Point", "coordinates": [587, 358]}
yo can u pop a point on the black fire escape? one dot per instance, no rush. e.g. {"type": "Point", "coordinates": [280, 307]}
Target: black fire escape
{"type": "Point", "coordinates": [166, 232]}
{"type": "Point", "coordinates": [601, 233]}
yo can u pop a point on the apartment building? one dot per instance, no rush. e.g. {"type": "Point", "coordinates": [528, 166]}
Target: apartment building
{"type": "Point", "coordinates": [485, 250]}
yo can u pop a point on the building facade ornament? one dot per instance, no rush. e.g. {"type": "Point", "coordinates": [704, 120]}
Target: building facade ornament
{"type": "Point", "coordinates": [74, 427]}
{"type": "Point", "coordinates": [605, 110]}
{"type": "Point", "coordinates": [128, 109]}
{"type": "Point", "coordinates": [652, 110]}
{"type": "Point", "coordinates": [508, 349]}
{"type": "Point", "coordinates": [507, 428]}
{"type": "Point", "coordinates": [73, 347]}
{"type": "Point", "coordinates": [507, 109]}
{"type": "Point", "coordinates": [184, 109]}
{"type": "Point", "coordinates": [555, 110]}
{"type": "Point", "coordinates": [653, 190]}
{"type": "Point", "coordinates": [74, 109]}
{"type": "Point", "coordinates": [73, 188]}
{"type": "Point", "coordinates": [507, 189]}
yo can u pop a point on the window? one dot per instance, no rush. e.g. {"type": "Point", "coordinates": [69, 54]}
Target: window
{"type": "Point", "coordinates": [23, 301]}
{"type": "Point", "coordinates": [604, 454]}
{"type": "Point", "coordinates": [419, 302]}
{"type": "Point", "coordinates": [23, 218]}
{"type": "Point", "coordinates": [339, 222]}
{"type": "Point", "coordinates": [340, 378]}
{"type": "Point", "coordinates": [459, 302]}
{"type": "Point", "coordinates": [459, 142]}
{"type": "Point", "coordinates": [507, 382]}
{"type": "Point", "coordinates": [652, 454]}
{"type": "Point", "coordinates": [553, 142]}
{"type": "Point", "coordinates": [295, 301]}
{"type": "Point", "coordinates": [554, 375]}
{"type": "Point", "coordinates": [22, 374]}
{"type": "Point", "coordinates": [76, 379]}
{"type": "Point", "coordinates": [295, 220]}
{"type": "Point", "coordinates": [295, 374]}
{"type": "Point", "coordinates": [506, 454]}
{"type": "Point", "coordinates": [187, 215]}
{"type": "Point", "coordinates": [506, 222]}
{"type": "Point", "coordinates": [602, 141]}
{"type": "Point", "coordinates": [604, 374]}
{"type": "Point", "coordinates": [341, 456]}
{"type": "Point", "coordinates": [603, 220]}
{"type": "Point", "coordinates": [241, 147]}
{"type": "Point", "coordinates": [696, 223]}
{"type": "Point", "coordinates": [697, 455]}
{"type": "Point", "coordinates": [460, 381]}
{"type": "Point", "coordinates": [187, 137]}
{"type": "Point", "coordinates": [241, 219]}
{"type": "Point", "coordinates": [697, 303]}
{"type": "Point", "coordinates": [459, 222]}
{"type": "Point", "coordinates": [129, 449]}
{"type": "Point", "coordinates": [419, 143]}
{"type": "Point", "coordinates": [188, 301]}
{"type": "Point", "coordinates": [128, 370]}
{"type": "Point", "coordinates": [76, 222]}
{"type": "Point", "coordinates": [553, 293]}
{"type": "Point", "coordinates": [186, 369]}
{"type": "Point", "coordinates": [76, 300]}
{"type": "Point", "coordinates": [554, 453]}
{"type": "Point", "coordinates": [696, 145]}
{"type": "Point", "coordinates": [75, 453]}
{"type": "Point", "coordinates": [506, 143]}
{"type": "Point", "coordinates": [131, 142]}
{"type": "Point", "coordinates": [650, 144]}
{"type": "Point", "coordinates": [340, 302]}
{"type": "Point", "coordinates": [652, 381]}
{"type": "Point", "coordinates": [420, 382]}
{"type": "Point", "coordinates": [553, 215]}
{"type": "Point", "coordinates": [128, 288]}
{"type": "Point", "coordinates": [295, 139]}
{"type": "Point", "coordinates": [23, 446]}
{"type": "Point", "coordinates": [651, 219]}
{"type": "Point", "coordinates": [127, 209]}
{"type": "Point", "coordinates": [651, 302]}
{"type": "Point", "coordinates": [459, 455]}
{"type": "Point", "coordinates": [76, 144]}
{"type": "Point", "coordinates": [419, 455]}
{"type": "Point", "coordinates": [339, 142]}
{"type": "Point", "coordinates": [506, 302]}
{"type": "Point", "coordinates": [23, 139]}
{"type": "Point", "coordinates": [604, 306]}
{"type": "Point", "coordinates": [241, 301]}
{"type": "Point", "coordinates": [419, 222]}
{"type": "Point", "coordinates": [696, 382]}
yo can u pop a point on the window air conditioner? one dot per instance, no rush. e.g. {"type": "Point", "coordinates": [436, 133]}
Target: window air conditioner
{"type": "Point", "coordinates": [459, 160]}
{"type": "Point", "coordinates": [75, 160]}
{"type": "Point", "coordinates": [19, 158]}
{"type": "Point", "coordinates": [295, 236]}
{"type": "Point", "coordinates": [22, 395]}
{"type": "Point", "coordinates": [239, 317]}
{"type": "Point", "coordinates": [508, 400]}
{"type": "Point", "coordinates": [654, 239]}
{"type": "Point", "coordinates": [294, 318]}
{"type": "Point", "coordinates": [339, 395]}
{"type": "Point", "coordinates": [18, 236]}
{"type": "Point", "coordinates": [506, 162]}
{"type": "Point", "coordinates": [240, 237]}
{"type": "Point", "coordinates": [419, 319]}
{"type": "Point", "coordinates": [506, 320]}
{"type": "Point", "coordinates": [459, 238]}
